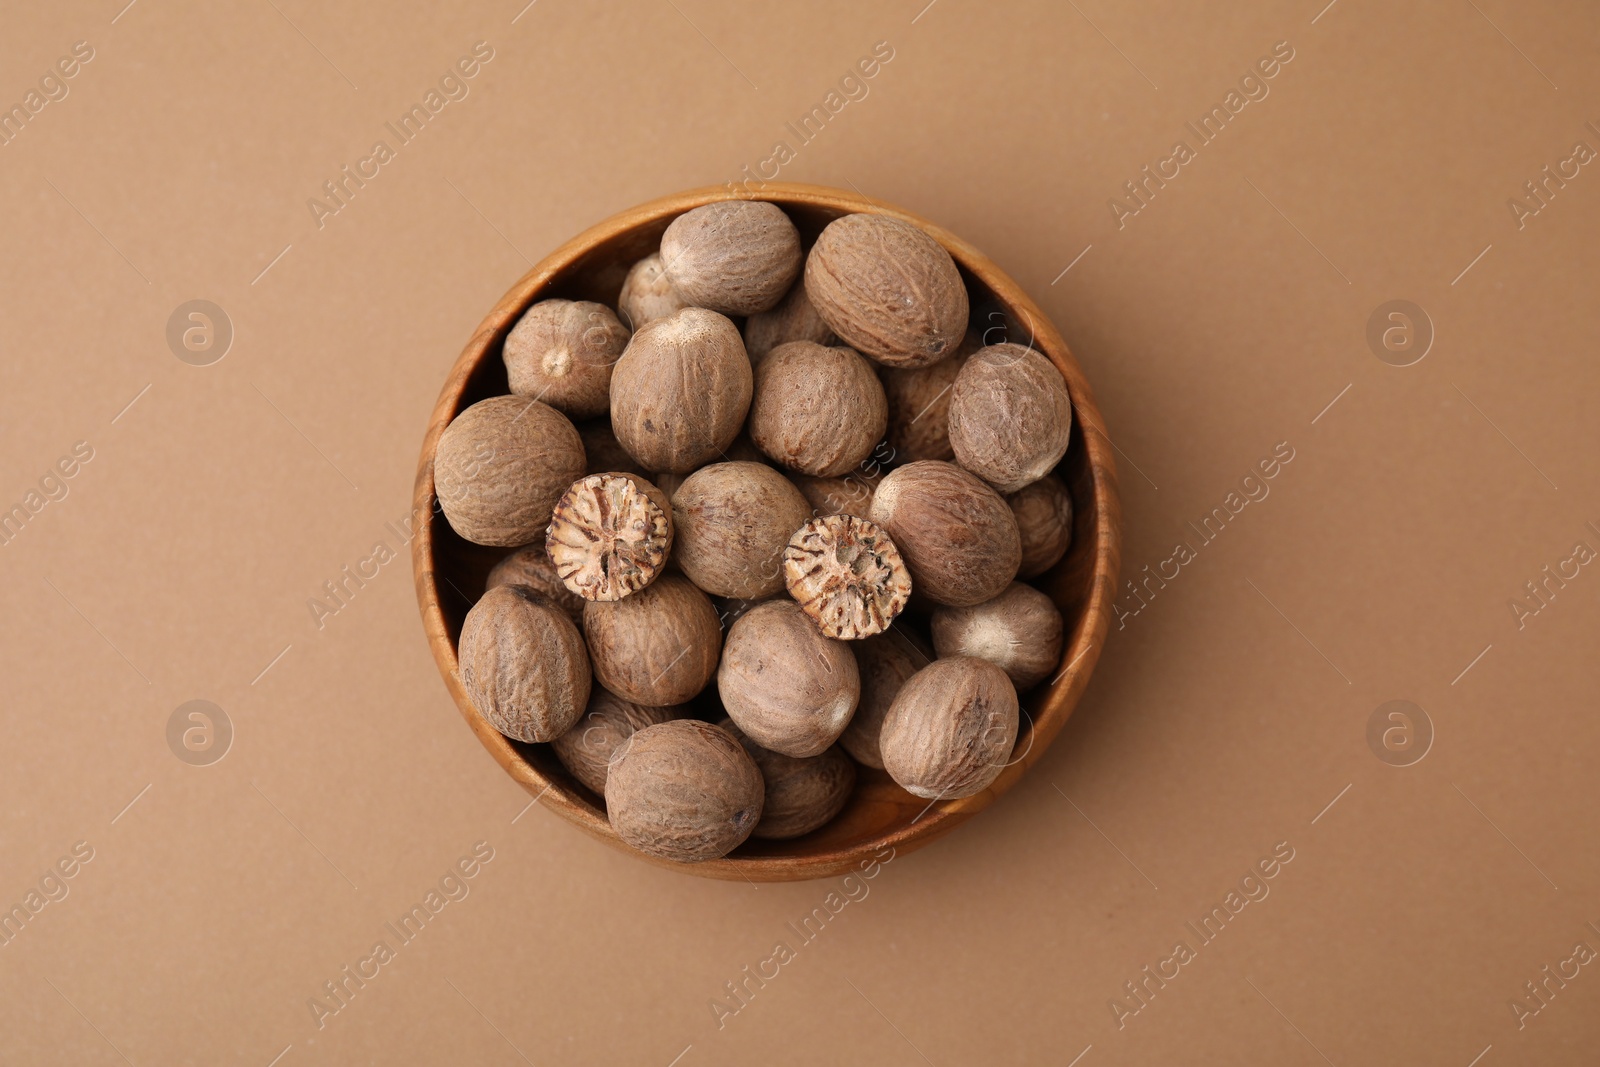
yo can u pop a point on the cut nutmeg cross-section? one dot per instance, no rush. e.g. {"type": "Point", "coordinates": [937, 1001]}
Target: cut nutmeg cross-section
{"type": "Point", "coordinates": [847, 575]}
{"type": "Point", "coordinates": [610, 535]}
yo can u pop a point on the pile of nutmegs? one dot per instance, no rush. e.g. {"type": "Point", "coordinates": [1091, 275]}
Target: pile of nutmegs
{"type": "Point", "coordinates": [666, 475]}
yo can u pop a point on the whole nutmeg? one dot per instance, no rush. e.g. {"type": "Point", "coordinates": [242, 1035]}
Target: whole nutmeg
{"type": "Point", "coordinates": [887, 289]}
{"type": "Point", "coordinates": [1044, 521]}
{"type": "Point", "coordinates": [500, 467]}
{"type": "Point", "coordinates": [587, 748]}
{"type": "Point", "coordinates": [957, 535]}
{"type": "Point", "coordinates": [787, 687]}
{"type": "Point", "coordinates": [737, 256]}
{"type": "Point", "coordinates": [610, 535]}
{"type": "Point", "coordinates": [815, 409]}
{"type": "Point", "coordinates": [656, 647]}
{"type": "Point", "coordinates": [733, 521]}
{"type": "Point", "coordinates": [1010, 416]}
{"type": "Point", "coordinates": [683, 790]}
{"type": "Point", "coordinates": [681, 390]}
{"type": "Point", "coordinates": [602, 449]}
{"type": "Point", "coordinates": [950, 729]}
{"type": "Point", "coordinates": [794, 319]}
{"type": "Point", "coordinates": [1020, 631]}
{"type": "Point", "coordinates": [646, 293]}
{"type": "Point", "coordinates": [847, 575]}
{"type": "Point", "coordinates": [530, 566]}
{"type": "Point", "coordinates": [562, 352]}
{"type": "Point", "coordinates": [801, 794]}
{"type": "Point", "coordinates": [523, 664]}
{"type": "Point", "coordinates": [885, 662]}
{"type": "Point", "coordinates": [919, 408]}
{"type": "Point", "coordinates": [847, 495]}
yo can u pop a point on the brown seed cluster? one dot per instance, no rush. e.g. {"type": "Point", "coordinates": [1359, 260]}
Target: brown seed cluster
{"type": "Point", "coordinates": [861, 483]}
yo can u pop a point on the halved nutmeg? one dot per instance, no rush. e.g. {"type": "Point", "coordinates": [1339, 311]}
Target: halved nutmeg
{"type": "Point", "coordinates": [846, 574]}
{"type": "Point", "coordinates": [610, 535]}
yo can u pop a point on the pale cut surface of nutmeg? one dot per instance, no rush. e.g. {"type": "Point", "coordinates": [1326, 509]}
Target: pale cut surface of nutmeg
{"type": "Point", "coordinates": [1044, 521]}
{"type": "Point", "coordinates": [816, 409]}
{"type": "Point", "coordinates": [885, 662]}
{"type": "Point", "coordinates": [646, 293]}
{"type": "Point", "coordinates": [586, 749]}
{"type": "Point", "coordinates": [562, 352]}
{"type": "Point", "coordinates": [919, 408]}
{"type": "Point", "coordinates": [951, 728]}
{"type": "Point", "coordinates": [801, 794]}
{"type": "Point", "coordinates": [683, 790]}
{"type": "Point", "coordinates": [736, 256]}
{"type": "Point", "coordinates": [1010, 417]}
{"type": "Point", "coordinates": [846, 574]}
{"type": "Point", "coordinates": [794, 319]}
{"type": "Point", "coordinates": [956, 534]}
{"type": "Point", "coordinates": [500, 467]}
{"type": "Point", "coordinates": [887, 289]}
{"type": "Point", "coordinates": [523, 664]}
{"type": "Point", "coordinates": [657, 647]}
{"type": "Point", "coordinates": [610, 535]}
{"type": "Point", "coordinates": [530, 565]}
{"type": "Point", "coordinates": [602, 449]}
{"type": "Point", "coordinates": [1020, 631]}
{"type": "Point", "coordinates": [681, 390]}
{"type": "Point", "coordinates": [787, 686]}
{"type": "Point", "coordinates": [732, 521]}
{"type": "Point", "coordinates": [850, 494]}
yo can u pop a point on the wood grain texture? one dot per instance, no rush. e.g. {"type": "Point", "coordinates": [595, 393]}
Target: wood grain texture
{"type": "Point", "coordinates": [450, 573]}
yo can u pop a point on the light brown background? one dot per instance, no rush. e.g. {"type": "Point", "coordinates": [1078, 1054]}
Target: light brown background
{"type": "Point", "coordinates": [1224, 719]}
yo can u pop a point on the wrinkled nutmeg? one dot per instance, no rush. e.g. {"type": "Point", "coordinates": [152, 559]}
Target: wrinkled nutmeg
{"type": "Point", "coordinates": [794, 319]}
{"type": "Point", "coordinates": [1020, 631]}
{"type": "Point", "coordinates": [1010, 416]}
{"type": "Point", "coordinates": [681, 390]}
{"type": "Point", "coordinates": [500, 467]}
{"type": "Point", "coordinates": [919, 407]}
{"type": "Point", "coordinates": [684, 790]}
{"type": "Point", "coordinates": [847, 575]}
{"type": "Point", "coordinates": [885, 662]}
{"type": "Point", "coordinates": [849, 495]}
{"type": "Point", "coordinates": [801, 794]}
{"type": "Point", "coordinates": [530, 566]}
{"type": "Point", "coordinates": [610, 535]}
{"type": "Point", "coordinates": [586, 749]}
{"type": "Point", "coordinates": [787, 687]}
{"type": "Point", "coordinates": [562, 352]}
{"type": "Point", "coordinates": [523, 664]}
{"type": "Point", "coordinates": [656, 647]}
{"type": "Point", "coordinates": [815, 409]}
{"type": "Point", "coordinates": [887, 289]}
{"type": "Point", "coordinates": [957, 535]}
{"type": "Point", "coordinates": [602, 449]}
{"type": "Point", "coordinates": [733, 521]}
{"type": "Point", "coordinates": [646, 293]}
{"type": "Point", "coordinates": [736, 256]}
{"type": "Point", "coordinates": [950, 729]}
{"type": "Point", "coordinates": [1044, 521]}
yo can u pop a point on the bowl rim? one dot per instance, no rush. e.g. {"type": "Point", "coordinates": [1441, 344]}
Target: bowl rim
{"type": "Point", "coordinates": [1087, 632]}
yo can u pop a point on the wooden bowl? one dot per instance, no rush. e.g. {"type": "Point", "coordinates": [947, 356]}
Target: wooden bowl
{"type": "Point", "coordinates": [450, 571]}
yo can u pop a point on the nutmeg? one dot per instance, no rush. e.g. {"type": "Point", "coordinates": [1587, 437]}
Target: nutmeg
{"type": "Point", "coordinates": [733, 521]}
{"type": "Point", "coordinates": [1010, 416]}
{"type": "Point", "coordinates": [681, 390]}
{"type": "Point", "coordinates": [801, 794]}
{"type": "Point", "coordinates": [530, 566]}
{"type": "Point", "coordinates": [586, 749]}
{"type": "Point", "coordinates": [610, 535]}
{"type": "Point", "coordinates": [500, 467]}
{"type": "Point", "coordinates": [957, 535]}
{"type": "Point", "coordinates": [1020, 631]}
{"type": "Point", "coordinates": [887, 289]}
{"type": "Point", "coordinates": [919, 407]}
{"type": "Point", "coordinates": [646, 293]}
{"type": "Point", "coordinates": [562, 352]}
{"type": "Point", "coordinates": [950, 729]}
{"type": "Point", "coordinates": [523, 664]}
{"type": "Point", "coordinates": [850, 494]}
{"type": "Point", "coordinates": [794, 319]}
{"type": "Point", "coordinates": [1044, 522]}
{"type": "Point", "coordinates": [815, 409]}
{"type": "Point", "coordinates": [789, 688]}
{"type": "Point", "coordinates": [657, 647]}
{"type": "Point", "coordinates": [735, 256]}
{"type": "Point", "coordinates": [846, 574]}
{"type": "Point", "coordinates": [684, 790]}
{"type": "Point", "coordinates": [602, 449]}
{"type": "Point", "coordinates": [885, 661]}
